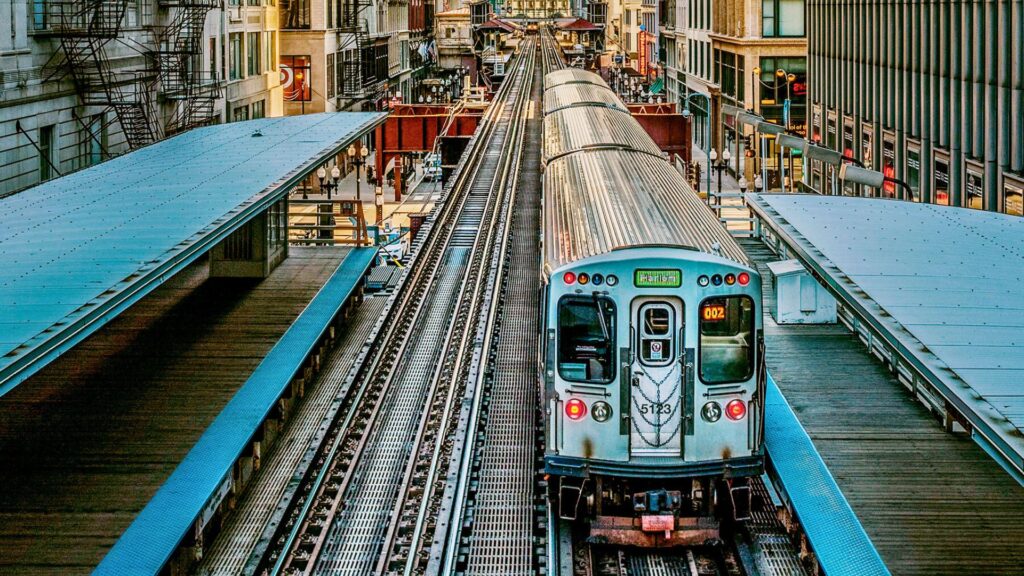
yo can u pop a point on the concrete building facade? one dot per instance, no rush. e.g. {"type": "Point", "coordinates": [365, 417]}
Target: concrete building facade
{"type": "Point", "coordinates": [930, 93]}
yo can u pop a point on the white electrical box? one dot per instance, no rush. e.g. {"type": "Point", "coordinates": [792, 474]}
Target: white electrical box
{"type": "Point", "coordinates": [799, 298]}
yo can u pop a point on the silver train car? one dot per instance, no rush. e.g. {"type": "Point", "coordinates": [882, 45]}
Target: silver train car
{"type": "Point", "coordinates": [651, 337]}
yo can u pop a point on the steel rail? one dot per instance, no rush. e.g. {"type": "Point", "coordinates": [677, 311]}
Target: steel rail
{"type": "Point", "coordinates": [484, 334]}
{"type": "Point", "coordinates": [457, 388]}
{"type": "Point", "coordinates": [470, 451]}
{"type": "Point", "coordinates": [433, 248]}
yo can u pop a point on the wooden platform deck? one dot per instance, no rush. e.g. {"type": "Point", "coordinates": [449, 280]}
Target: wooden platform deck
{"type": "Point", "coordinates": [87, 441]}
{"type": "Point", "coordinates": [933, 503]}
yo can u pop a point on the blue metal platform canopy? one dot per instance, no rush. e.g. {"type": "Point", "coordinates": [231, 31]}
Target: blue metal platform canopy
{"type": "Point", "coordinates": [76, 251]}
{"type": "Point", "coordinates": [941, 287]}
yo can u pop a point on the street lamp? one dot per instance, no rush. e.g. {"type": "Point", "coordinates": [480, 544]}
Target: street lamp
{"type": "Point", "coordinates": [358, 156]}
{"type": "Point", "coordinates": [328, 185]}
{"type": "Point", "coordinates": [719, 166]}
{"type": "Point", "coordinates": [358, 153]}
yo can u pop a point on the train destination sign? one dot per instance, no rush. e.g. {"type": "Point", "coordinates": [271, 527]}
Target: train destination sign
{"type": "Point", "coordinates": [657, 278]}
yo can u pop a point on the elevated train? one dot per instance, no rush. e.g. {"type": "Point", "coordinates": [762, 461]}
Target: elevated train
{"type": "Point", "coordinates": [651, 339]}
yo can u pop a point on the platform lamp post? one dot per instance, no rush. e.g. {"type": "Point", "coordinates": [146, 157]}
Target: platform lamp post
{"type": "Point", "coordinates": [719, 166]}
{"type": "Point", "coordinates": [358, 153]}
{"type": "Point", "coordinates": [707, 131]}
{"type": "Point", "coordinates": [329, 185]}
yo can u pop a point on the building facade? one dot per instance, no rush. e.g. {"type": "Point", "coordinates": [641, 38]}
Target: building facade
{"type": "Point", "coordinates": [742, 55]}
{"type": "Point", "coordinates": [932, 94]}
{"type": "Point", "coordinates": [78, 86]}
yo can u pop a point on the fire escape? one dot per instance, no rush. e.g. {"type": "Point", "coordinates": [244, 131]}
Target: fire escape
{"type": "Point", "coordinates": [179, 60]}
{"type": "Point", "coordinates": [84, 28]}
{"type": "Point", "coordinates": [359, 74]}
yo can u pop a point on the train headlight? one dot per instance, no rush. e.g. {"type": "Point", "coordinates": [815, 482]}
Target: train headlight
{"type": "Point", "coordinates": [596, 279]}
{"type": "Point", "coordinates": [711, 412]}
{"type": "Point", "coordinates": [716, 279]}
{"type": "Point", "coordinates": [743, 278]}
{"type": "Point", "coordinates": [730, 279]}
{"type": "Point", "coordinates": [583, 278]}
{"type": "Point", "coordinates": [601, 411]}
{"type": "Point", "coordinates": [612, 280]}
{"type": "Point", "coordinates": [703, 281]}
{"type": "Point", "coordinates": [736, 410]}
{"type": "Point", "coordinates": [575, 409]}
{"type": "Point", "coordinates": [569, 277]}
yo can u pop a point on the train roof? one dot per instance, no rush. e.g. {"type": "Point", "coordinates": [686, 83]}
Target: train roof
{"type": "Point", "coordinates": [598, 200]}
{"type": "Point", "coordinates": [578, 128]}
{"type": "Point", "coordinates": [570, 95]}
{"type": "Point", "coordinates": [572, 76]}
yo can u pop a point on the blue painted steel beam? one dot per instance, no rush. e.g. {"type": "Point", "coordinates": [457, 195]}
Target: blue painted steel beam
{"type": "Point", "coordinates": [836, 535]}
{"type": "Point", "coordinates": [154, 535]}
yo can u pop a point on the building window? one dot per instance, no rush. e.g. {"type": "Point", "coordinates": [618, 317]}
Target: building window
{"type": "Point", "coordinates": [39, 14]}
{"type": "Point", "coordinates": [234, 2]}
{"type": "Point", "coordinates": [974, 189]}
{"type": "Point", "coordinates": [913, 171]}
{"type": "Point", "coordinates": [241, 113]}
{"type": "Point", "coordinates": [269, 61]}
{"type": "Point", "coordinates": [867, 142]}
{"type": "Point", "coordinates": [295, 80]}
{"type": "Point", "coordinates": [213, 58]}
{"type": "Point", "coordinates": [235, 55]}
{"type": "Point", "coordinates": [259, 109]}
{"type": "Point", "coordinates": [849, 189]}
{"type": "Point", "coordinates": [330, 76]}
{"type": "Point", "coordinates": [782, 18]}
{"type": "Point", "coordinates": [889, 163]}
{"type": "Point", "coordinates": [253, 2]}
{"type": "Point", "coordinates": [252, 45]}
{"type": "Point", "coordinates": [940, 174]}
{"type": "Point", "coordinates": [1013, 196]}
{"type": "Point", "coordinates": [94, 141]}
{"type": "Point", "coordinates": [784, 79]}
{"type": "Point", "coordinates": [46, 147]}
{"type": "Point", "coordinates": [294, 14]}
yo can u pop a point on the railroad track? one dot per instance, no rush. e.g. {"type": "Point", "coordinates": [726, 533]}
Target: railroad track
{"type": "Point", "coordinates": [367, 503]}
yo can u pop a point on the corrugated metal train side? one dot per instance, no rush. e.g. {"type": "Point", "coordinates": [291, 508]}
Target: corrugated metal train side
{"type": "Point", "coordinates": [606, 184]}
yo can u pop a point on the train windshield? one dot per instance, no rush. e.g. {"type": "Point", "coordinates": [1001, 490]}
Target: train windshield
{"type": "Point", "coordinates": [586, 339]}
{"type": "Point", "coordinates": [727, 339]}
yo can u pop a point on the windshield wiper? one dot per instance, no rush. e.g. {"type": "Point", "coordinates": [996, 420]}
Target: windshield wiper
{"type": "Point", "coordinates": [601, 320]}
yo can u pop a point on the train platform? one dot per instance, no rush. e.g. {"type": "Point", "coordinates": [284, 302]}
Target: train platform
{"type": "Point", "coordinates": [945, 315]}
{"type": "Point", "coordinates": [932, 503]}
{"type": "Point", "coordinates": [80, 249]}
{"type": "Point", "coordinates": [90, 438]}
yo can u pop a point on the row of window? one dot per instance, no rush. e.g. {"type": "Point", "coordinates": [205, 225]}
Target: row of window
{"type": "Point", "coordinates": [253, 111]}
{"type": "Point", "coordinates": [928, 178]}
{"type": "Point", "coordinates": [699, 15]}
{"type": "Point", "coordinates": [92, 146]}
{"type": "Point", "coordinates": [249, 54]}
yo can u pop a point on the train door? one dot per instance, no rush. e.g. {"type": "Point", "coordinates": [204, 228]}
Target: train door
{"type": "Point", "coordinates": [657, 377]}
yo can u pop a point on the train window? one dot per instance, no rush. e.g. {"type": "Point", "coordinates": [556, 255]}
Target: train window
{"type": "Point", "coordinates": [656, 334]}
{"type": "Point", "coordinates": [726, 339]}
{"type": "Point", "coordinates": [586, 339]}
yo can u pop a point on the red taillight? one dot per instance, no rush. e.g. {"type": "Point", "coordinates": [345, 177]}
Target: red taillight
{"type": "Point", "coordinates": [569, 278]}
{"type": "Point", "coordinates": [743, 278]}
{"type": "Point", "coordinates": [575, 409]}
{"type": "Point", "coordinates": [736, 410]}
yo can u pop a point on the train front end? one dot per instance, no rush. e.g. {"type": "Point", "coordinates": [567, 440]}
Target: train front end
{"type": "Point", "coordinates": [654, 392]}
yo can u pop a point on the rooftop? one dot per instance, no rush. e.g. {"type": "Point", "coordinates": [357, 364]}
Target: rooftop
{"type": "Point", "coordinates": [78, 250]}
